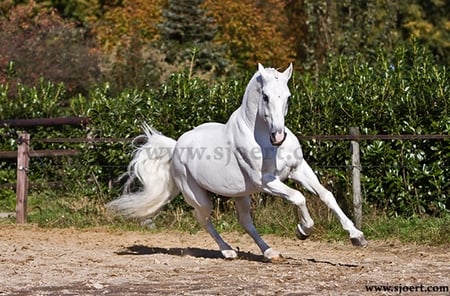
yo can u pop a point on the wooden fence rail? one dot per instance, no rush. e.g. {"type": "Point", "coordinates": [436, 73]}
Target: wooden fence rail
{"type": "Point", "coordinates": [24, 153]}
{"type": "Point", "coordinates": [77, 121]}
{"type": "Point", "coordinates": [350, 137]}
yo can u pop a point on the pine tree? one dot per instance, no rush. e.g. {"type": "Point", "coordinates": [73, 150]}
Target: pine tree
{"type": "Point", "coordinates": [187, 34]}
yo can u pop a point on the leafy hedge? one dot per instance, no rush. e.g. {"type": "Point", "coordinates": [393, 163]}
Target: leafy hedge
{"type": "Point", "coordinates": [407, 93]}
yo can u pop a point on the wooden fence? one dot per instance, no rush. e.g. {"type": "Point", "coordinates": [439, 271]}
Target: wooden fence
{"type": "Point", "coordinates": [24, 153]}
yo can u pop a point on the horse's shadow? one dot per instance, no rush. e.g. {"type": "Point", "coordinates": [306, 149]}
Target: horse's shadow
{"type": "Point", "coordinates": [193, 252]}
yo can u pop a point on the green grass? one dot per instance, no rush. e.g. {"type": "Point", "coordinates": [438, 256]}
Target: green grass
{"type": "Point", "coordinates": [48, 209]}
{"type": "Point", "coordinates": [274, 216]}
{"type": "Point", "coordinates": [422, 230]}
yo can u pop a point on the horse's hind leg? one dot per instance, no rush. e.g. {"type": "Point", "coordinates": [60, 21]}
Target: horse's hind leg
{"type": "Point", "coordinates": [305, 175]}
{"type": "Point", "coordinates": [243, 207]}
{"type": "Point", "coordinates": [200, 200]}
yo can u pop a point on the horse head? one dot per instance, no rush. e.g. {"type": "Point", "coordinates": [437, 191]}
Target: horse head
{"type": "Point", "coordinates": [273, 103]}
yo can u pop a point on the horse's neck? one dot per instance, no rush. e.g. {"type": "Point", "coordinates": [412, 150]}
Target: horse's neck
{"type": "Point", "coordinates": [247, 113]}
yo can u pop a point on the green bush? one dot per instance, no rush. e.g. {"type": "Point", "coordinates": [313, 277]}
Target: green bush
{"type": "Point", "coordinates": [407, 93]}
{"type": "Point", "coordinates": [403, 94]}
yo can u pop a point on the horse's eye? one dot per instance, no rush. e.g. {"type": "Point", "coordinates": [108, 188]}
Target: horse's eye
{"type": "Point", "coordinates": [265, 98]}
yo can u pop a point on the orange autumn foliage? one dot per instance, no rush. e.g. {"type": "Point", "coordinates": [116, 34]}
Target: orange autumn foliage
{"type": "Point", "coordinates": [251, 33]}
{"type": "Point", "coordinates": [134, 19]}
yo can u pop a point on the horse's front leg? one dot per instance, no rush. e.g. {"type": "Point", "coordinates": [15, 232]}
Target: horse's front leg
{"type": "Point", "coordinates": [273, 185]}
{"type": "Point", "coordinates": [305, 175]}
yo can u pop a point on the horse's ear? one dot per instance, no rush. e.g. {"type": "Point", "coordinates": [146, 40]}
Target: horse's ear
{"type": "Point", "coordinates": [288, 72]}
{"type": "Point", "coordinates": [260, 68]}
{"type": "Point", "coordinates": [262, 71]}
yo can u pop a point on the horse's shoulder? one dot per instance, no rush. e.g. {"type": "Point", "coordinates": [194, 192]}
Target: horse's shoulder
{"type": "Point", "coordinates": [291, 138]}
{"type": "Point", "coordinates": [292, 150]}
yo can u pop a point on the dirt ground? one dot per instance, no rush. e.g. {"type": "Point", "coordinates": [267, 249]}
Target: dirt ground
{"type": "Point", "coordinates": [36, 261]}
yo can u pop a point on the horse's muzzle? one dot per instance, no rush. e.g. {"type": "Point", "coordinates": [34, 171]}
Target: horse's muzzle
{"type": "Point", "coordinates": [277, 138]}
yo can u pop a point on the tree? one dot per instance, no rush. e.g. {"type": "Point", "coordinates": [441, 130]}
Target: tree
{"type": "Point", "coordinates": [296, 22]}
{"type": "Point", "coordinates": [84, 12]}
{"type": "Point", "coordinates": [252, 34]}
{"type": "Point", "coordinates": [345, 27]}
{"type": "Point", "coordinates": [187, 34]}
{"type": "Point", "coordinates": [324, 27]}
{"type": "Point", "coordinates": [124, 35]}
{"type": "Point", "coordinates": [36, 42]}
{"type": "Point", "coordinates": [428, 21]}
{"type": "Point", "coordinates": [133, 19]}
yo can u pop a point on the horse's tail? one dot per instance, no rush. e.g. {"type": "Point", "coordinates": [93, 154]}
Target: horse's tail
{"type": "Point", "coordinates": [151, 166]}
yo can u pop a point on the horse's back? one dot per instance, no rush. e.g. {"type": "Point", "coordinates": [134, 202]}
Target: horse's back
{"type": "Point", "coordinates": [201, 136]}
{"type": "Point", "coordinates": [206, 156]}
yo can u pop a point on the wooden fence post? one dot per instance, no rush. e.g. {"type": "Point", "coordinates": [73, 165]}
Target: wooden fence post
{"type": "Point", "coordinates": [22, 178]}
{"type": "Point", "coordinates": [356, 178]}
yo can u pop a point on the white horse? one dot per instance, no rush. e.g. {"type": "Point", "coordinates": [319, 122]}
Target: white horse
{"type": "Point", "coordinates": [253, 152]}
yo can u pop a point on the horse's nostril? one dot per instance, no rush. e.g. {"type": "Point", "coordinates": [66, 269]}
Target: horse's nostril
{"type": "Point", "coordinates": [277, 138]}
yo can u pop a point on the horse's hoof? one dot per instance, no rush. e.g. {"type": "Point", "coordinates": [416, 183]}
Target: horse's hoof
{"type": "Point", "coordinates": [229, 254]}
{"type": "Point", "coordinates": [278, 259]}
{"type": "Point", "coordinates": [359, 241]}
{"type": "Point", "coordinates": [273, 256]}
{"type": "Point", "coordinates": [300, 234]}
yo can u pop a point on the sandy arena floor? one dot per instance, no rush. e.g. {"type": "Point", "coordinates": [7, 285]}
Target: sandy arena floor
{"type": "Point", "coordinates": [36, 261]}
